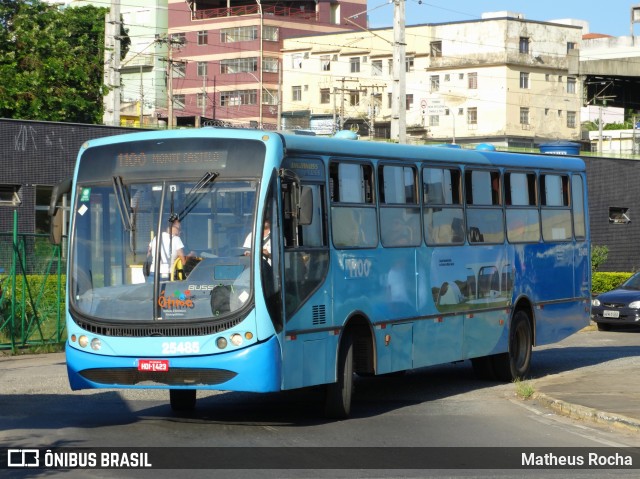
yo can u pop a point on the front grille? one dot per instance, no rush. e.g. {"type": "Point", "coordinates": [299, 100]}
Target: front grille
{"type": "Point", "coordinates": [173, 377]}
{"type": "Point", "coordinates": [145, 331]}
{"type": "Point", "coordinates": [613, 305]}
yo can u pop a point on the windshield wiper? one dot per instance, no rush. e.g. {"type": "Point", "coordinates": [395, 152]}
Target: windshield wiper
{"type": "Point", "coordinates": [123, 200]}
{"type": "Point", "coordinates": [192, 199]}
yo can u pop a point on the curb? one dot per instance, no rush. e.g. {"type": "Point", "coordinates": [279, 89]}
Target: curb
{"type": "Point", "coordinates": [586, 413]}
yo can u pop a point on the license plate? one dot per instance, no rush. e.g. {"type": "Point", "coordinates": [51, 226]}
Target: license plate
{"type": "Point", "coordinates": [161, 365]}
{"type": "Point", "coordinates": [611, 314]}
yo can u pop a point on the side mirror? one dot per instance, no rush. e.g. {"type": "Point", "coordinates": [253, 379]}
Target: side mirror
{"type": "Point", "coordinates": [55, 233]}
{"type": "Point", "coordinates": [57, 214]}
{"type": "Point", "coordinates": [306, 206]}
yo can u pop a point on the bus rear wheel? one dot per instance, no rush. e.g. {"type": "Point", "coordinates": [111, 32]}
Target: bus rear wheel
{"type": "Point", "coordinates": [182, 399]}
{"type": "Point", "coordinates": [515, 363]}
{"type": "Point", "coordinates": [338, 394]}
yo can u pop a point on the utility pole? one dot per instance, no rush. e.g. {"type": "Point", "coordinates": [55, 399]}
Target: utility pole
{"type": "Point", "coordinates": [141, 99]}
{"type": "Point", "coordinates": [399, 87]}
{"type": "Point", "coordinates": [336, 126]}
{"type": "Point", "coordinates": [170, 43]}
{"type": "Point", "coordinates": [112, 59]}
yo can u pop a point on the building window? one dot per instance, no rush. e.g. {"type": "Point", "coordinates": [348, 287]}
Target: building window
{"type": "Point", "coordinates": [296, 93]}
{"type": "Point", "coordinates": [524, 116]}
{"type": "Point", "coordinates": [472, 81]}
{"type": "Point", "coordinates": [239, 97]}
{"type": "Point", "coordinates": [571, 119]}
{"type": "Point", "coordinates": [296, 61]}
{"type": "Point", "coordinates": [390, 66]}
{"type": "Point", "coordinates": [239, 34]}
{"type": "Point", "coordinates": [435, 83]}
{"type": "Point", "coordinates": [409, 101]}
{"type": "Point", "coordinates": [355, 64]}
{"type": "Point", "coordinates": [10, 195]}
{"type": "Point", "coordinates": [472, 116]}
{"type": "Point", "coordinates": [376, 68]}
{"type": "Point", "coordinates": [203, 37]}
{"type": "Point", "coordinates": [179, 69]}
{"type": "Point", "coordinates": [524, 44]}
{"type": "Point", "coordinates": [270, 64]}
{"type": "Point", "coordinates": [325, 95]}
{"type": "Point", "coordinates": [43, 197]}
{"type": "Point", "coordinates": [524, 80]}
{"type": "Point", "coordinates": [269, 97]}
{"type": "Point", "coordinates": [179, 102]}
{"type": "Point", "coordinates": [571, 46]}
{"type": "Point", "coordinates": [434, 120]}
{"type": "Point", "coordinates": [270, 33]}
{"type": "Point", "coordinates": [239, 65]}
{"type": "Point", "coordinates": [179, 38]}
{"type": "Point", "coordinates": [447, 77]}
{"type": "Point", "coordinates": [202, 69]}
{"type": "Point", "coordinates": [547, 77]}
{"type": "Point", "coordinates": [619, 215]}
{"type": "Point", "coordinates": [408, 64]}
{"type": "Point", "coordinates": [354, 98]}
{"type": "Point", "coordinates": [571, 85]}
{"type": "Point", "coordinates": [436, 49]}
{"type": "Point", "coordinates": [390, 99]}
{"type": "Point", "coordinates": [201, 100]}
{"type": "Point", "coordinates": [325, 63]}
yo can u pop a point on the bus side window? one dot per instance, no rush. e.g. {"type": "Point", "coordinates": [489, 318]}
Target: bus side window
{"type": "Point", "coordinates": [485, 219]}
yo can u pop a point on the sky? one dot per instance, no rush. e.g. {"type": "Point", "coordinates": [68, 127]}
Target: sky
{"type": "Point", "coordinates": [611, 17]}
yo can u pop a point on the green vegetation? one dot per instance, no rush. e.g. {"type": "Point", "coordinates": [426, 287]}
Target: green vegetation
{"type": "Point", "coordinates": [52, 62]}
{"type": "Point", "coordinates": [599, 255]}
{"type": "Point", "coordinates": [524, 389]}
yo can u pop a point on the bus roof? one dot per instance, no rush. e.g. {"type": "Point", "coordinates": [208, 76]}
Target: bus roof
{"type": "Point", "coordinates": [318, 145]}
{"type": "Point", "coordinates": [383, 151]}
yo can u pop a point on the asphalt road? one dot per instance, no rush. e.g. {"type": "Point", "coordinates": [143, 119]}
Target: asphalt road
{"type": "Point", "coordinates": [435, 407]}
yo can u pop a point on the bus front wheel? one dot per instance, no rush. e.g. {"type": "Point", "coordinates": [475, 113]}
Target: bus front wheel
{"type": "Point", "coordinates": [182, 399]}
{"type": "Point", "coordinates": [338, 394]}
{"type": "Point", "coordinates": [515, 363]}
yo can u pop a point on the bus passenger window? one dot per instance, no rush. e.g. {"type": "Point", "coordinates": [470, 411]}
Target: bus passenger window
{"type": "Point", "coordinates": [443, 214]}
{"type": "Point", "coordinates": [399, 209]}
{"type": "Point", "coordinates": [351, 182]}
{"type": "Point", "coordinates": [555, 212]}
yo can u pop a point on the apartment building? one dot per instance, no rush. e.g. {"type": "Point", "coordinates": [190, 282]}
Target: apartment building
{"type": "Point", "coordinates": [501, 79]}
{"type": "Point", "coordinates": [225, 55]}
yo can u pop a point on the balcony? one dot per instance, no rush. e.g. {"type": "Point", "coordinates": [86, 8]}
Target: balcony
{"type": "Point", "coordinates": [267, 10]}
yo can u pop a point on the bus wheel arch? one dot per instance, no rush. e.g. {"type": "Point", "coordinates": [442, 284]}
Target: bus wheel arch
{"type": "Point", "coordinates": [516, 362]}
{"type": "Point", "coordinates": [354, 355]}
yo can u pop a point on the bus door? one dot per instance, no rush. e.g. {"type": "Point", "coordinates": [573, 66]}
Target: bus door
{"type": "Point", "coordinates": [582, 264]}
{"type": "Point", "coordinates": [308, 342]}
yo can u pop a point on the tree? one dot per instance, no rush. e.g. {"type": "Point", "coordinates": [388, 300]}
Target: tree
{"type": "Point", "coordinates": [599, 255]}
{"type": "Point", "coordinates": [51, 62]}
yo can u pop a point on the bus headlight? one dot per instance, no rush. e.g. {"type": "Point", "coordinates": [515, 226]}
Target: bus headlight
{"type": "Point", "coordinates": [96, 344]}
{"type": "Point", "coordinates": [221, 342]}
{"type": "Point", "coordinates": [83, 341]}
{"type": "Point", "coordinates": [236, 339]}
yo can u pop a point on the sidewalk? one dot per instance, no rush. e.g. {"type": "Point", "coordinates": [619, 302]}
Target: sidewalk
{"type": "Point", "coordinates": [607, 393]}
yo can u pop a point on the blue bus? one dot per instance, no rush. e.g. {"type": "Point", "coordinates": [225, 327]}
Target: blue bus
{"type": "Point", "coordinates": [287, 261]}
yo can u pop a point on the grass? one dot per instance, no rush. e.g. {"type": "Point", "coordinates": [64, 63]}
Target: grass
{"type": "Point", "coordinates": [524, 389]}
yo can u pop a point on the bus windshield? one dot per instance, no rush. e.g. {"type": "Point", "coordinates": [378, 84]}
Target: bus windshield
{"type": "Point", "coordinates": [120, 273]}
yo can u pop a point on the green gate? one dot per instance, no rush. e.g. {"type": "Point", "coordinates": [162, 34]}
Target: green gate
{"type": "Point", "coordinates": [31, 291]}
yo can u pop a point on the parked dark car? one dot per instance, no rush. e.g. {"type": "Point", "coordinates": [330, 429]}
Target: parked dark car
{"type": "Point", "coordinates": [618, 306]}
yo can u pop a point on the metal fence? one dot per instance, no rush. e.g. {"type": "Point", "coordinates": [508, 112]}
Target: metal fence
{"type": "Point", "coordinates": [31, 291]}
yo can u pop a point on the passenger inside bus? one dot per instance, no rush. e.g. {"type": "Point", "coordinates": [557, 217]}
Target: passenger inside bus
{"type": "Point", "coordinates": [266, 242]}
{"type": "Point", "coordinates": [170, 240]}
